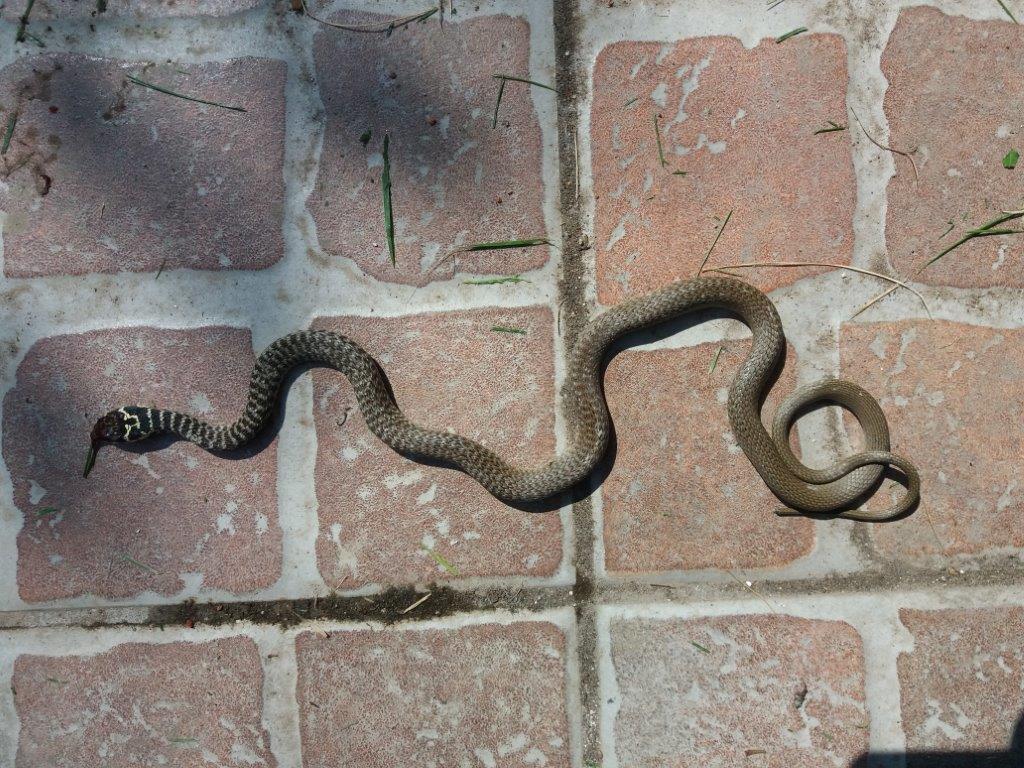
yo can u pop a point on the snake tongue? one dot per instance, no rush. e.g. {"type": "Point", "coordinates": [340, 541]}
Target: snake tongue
{"type": "Point", "coordinates": [90, 459]}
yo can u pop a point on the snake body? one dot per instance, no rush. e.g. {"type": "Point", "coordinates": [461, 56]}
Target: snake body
{"type": "Point", "coordinates": [834, 490]}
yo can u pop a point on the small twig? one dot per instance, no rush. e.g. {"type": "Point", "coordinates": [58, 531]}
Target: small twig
{"type": "Point", "coordinates": [23, 22]}
{"type": "Point", "coordinates": [714, 360]}
{"type": "Point", "coordinates": [385, 189]}
{"type": "Point", "coordinates": [858, 270]}
{"type": "Point", "coordinates": [161, 270]}
{"type": "Point", "coordinates": [831, 129]}
{"type": "Point", "coordinates": [169, 92]}
{"type": "Point", "coordinates": [1008, 13]}
{"type": "Point", "coordinates": [707, 255]}
{"type": "Point", "coordinates": [417, 603]}
{"type": "Point", "coordinates": [875, 300]}
{"type": "Point", "coordinates": [634, 100]}
{"type": "Point", "coordinates": [12, 119]}
{"type": "Point", "coordinates": [908, 155]}
{"type": "Point", "coordinates": [496, 280]}
{"type": "Point", "coordinates": [497, 104]}
{"type": "Point", "coordinates": [657, 136]}
{"type": "Point", "coordinates": [524, 80]}
{"type": "Point", "coordinates": [374, 29]}
{"type": "Point", "coordinates": [791, 33]}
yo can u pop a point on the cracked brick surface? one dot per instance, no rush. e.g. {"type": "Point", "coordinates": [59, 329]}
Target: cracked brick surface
{"type": "Point", "coordinates": [491, 695]}
{"type": "Point", "coordinates": [156, 521]}
{"type": "Point", "coordinates": [760, 690]}
{"type": "Point", "coordinates": [455, 179]}
{"type": "Point", "coordinates": [682, 495]}
{"type": "Point", "coordinates": [104, 175]}
{"type": "Point", "coordinates": [386, 518]}
{"type": "Point", "coordinates": [182, 704]}
{"type": "Point", "coordinates": [954, 87]}
{"type": "Point", "coordinates": [738, 123]}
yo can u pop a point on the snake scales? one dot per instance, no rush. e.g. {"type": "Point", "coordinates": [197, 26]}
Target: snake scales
{"type": "Point", "coordinates": [835, 490]}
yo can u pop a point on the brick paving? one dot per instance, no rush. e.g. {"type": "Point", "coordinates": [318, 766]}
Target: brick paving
{"type": "Point", "coordinates": [321, 601]}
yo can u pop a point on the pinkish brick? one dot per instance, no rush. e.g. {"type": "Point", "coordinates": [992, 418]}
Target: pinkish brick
{"type": "Point", "coordinates": [52, 10]}
{"type": "Point", "coordinates": [181, 704]}
{"type": "Point", "coordinates": [772, 691]}
{"type": "Point", "coordinates": [107, 176]}
{"type": "Point", "coordinates": [955, 88]}
{"type": "Point", "coordinates": [680, 482]}
{"type": "Point", "coordinates": [381, 515]}
{"type": "Point", "coordinates": [456, 181]}
{"type": "Point", "coordinates": [961, 685]}
{"type": "Point", "coordinates": [488, 695]}
{"type": "Point", "coordinates": [953, 395]}
{"type": "Point", "coordinates": [153, 521]}
{"type": "Point", "coordinates": [739, 123]}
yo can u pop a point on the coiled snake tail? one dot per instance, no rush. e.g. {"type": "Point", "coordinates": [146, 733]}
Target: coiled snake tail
{"type": "Point", "coordinates": [835, 490]}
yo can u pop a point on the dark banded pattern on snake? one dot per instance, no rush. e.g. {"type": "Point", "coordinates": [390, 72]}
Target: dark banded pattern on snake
{"type": "Point", "coordinates": [835, 490]}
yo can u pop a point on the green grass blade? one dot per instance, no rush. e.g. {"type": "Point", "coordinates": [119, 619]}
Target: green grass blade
{"type": "Point", "coordinates": [385, 188]}
{"type": "Point", "coordinates": [1008, 13]}
{"type": "Point", "coordinates": [12, 119]}
{"type": "Point", "coordinates": [507, 329]}
{"type": "Point", "coordinates": [169, 92]}
{"type": "Point", "coordinates": [791, 33]}
{"type": "Point", "coordinates": [496, 280]}
{"type": "Point", "coordinates": [499, 245]}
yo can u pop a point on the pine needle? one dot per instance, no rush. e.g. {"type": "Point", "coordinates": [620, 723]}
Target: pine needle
{"type": "Point", "coordinates": [385, 189]}
{"type": "Point", "coordinates": [23, 22]}
{"type": "Point", "coordinates": [1008, 13]}
{"type": "Point", "coordinates": [791, 33]}
{"type": "Point", "coordinates": [657, 136]}
{"type": "Point", "coordinates": [523, 80]}
{"type": "Point", "coordinates": [496, 280]}
{"type": "Point", "coordinates": [374, 29]}
{"type": "Point", "coordinates": [497, 104]}
{"type": "Point", "coordinates": [858, 270]}
{"type": "Point", "coordinates": [908, 155]}
{"type": "Point", "coordinates": [707, 255]}
{"type": "Point", "coordinates": [169, 92]}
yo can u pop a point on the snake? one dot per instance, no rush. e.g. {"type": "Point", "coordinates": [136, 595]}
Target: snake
{"type": "Point", "coordinates": [835, 491]}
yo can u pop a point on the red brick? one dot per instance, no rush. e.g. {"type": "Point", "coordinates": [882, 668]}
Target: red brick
{"type": "Point", "coordinates": [705, 691]}
{"type": "Point", "coordinates": [682, 495]}
{"type": "Point", "coordinates": [174, 511]}
{"type": "Point", "coordinates": [142, 9]}
{"type": "Point", "coordinates": [456, 181]}
{"type": "Point", "coordinates": [962, 686]}
{"type": "Point", "coordinates": [739, 123]}
{"type": "Point", "coordinates": [953, 395]}
{"type": "Point", "coordinates": [377, 509]}
{"type": "Point", "coordinates": [486, 695]}
{"type": "Point", "coordinates": [954, 90]}
{"type": "Point", "coordinates": [113, 177]}
{"type": "Point", "coordinates": [182, 704]}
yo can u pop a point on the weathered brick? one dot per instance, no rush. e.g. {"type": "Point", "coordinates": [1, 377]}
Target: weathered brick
{"type": "Point", "coordinates": [153, 521]}
{"type": "Point", "coordinates": [738, 122]}
{"type": "Point", "coordinates": [962, 686]}
{"type": "Point", "coordinates": [184, 704]}
{"type": "Point", "coordinates": [108, 176]}
{"type": "Point", "coordinates": [682, 495]}
{"type": "Point", "coordinates": [456, 181]}
{"type": "Point", "coordinates": [955, 86]}
{"type": "Point", "coordinates": [953, 395]}
{"type": "Point", "coordinates": [490, 695]}
{"type": "Point", "coordinates": [729, 691]}
{"type": "Point", "coordinates": [381, 515]}
{"type": "Point", "coordinates": [52, 10]}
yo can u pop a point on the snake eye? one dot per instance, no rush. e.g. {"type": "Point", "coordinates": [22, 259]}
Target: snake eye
{"type": "Point", "coordinates": [110, 428]}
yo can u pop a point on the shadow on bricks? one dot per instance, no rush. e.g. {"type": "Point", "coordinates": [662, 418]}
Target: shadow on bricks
{"type": "Point", "coordinates": [1011, 758]}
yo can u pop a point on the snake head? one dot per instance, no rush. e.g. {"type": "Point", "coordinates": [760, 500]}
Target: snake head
{"type": "Point", "coordinates": [125, 425]}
